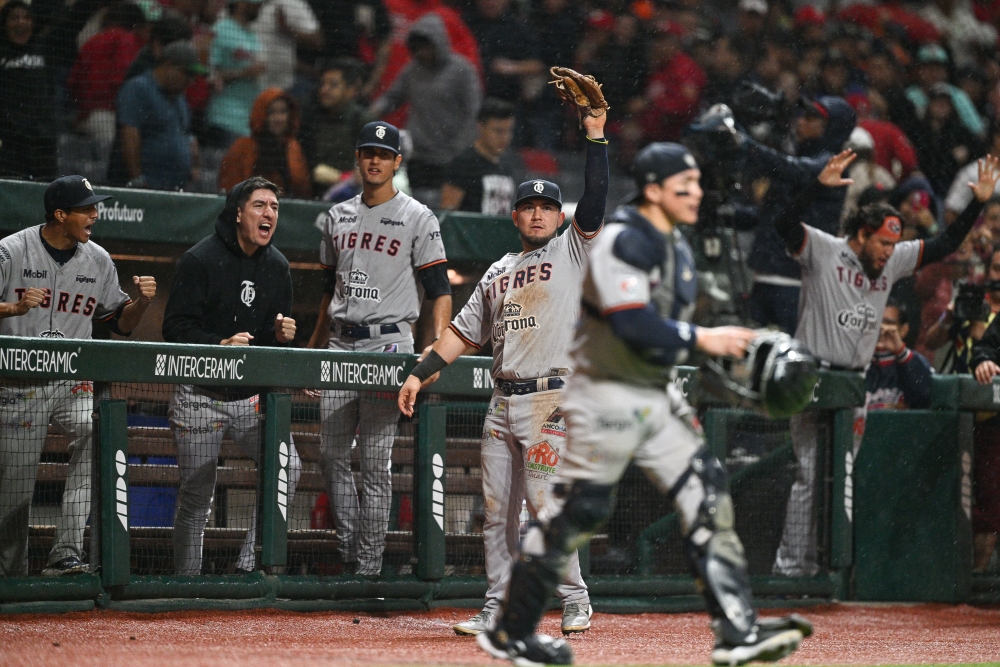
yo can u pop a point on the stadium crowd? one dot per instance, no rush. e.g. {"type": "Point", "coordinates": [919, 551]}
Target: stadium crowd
{"type": "Point", "coordinates": [200, 95]}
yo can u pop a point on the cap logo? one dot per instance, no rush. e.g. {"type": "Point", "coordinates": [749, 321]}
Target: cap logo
{"type": "Point", "coordinates": [650, 176]}
{"type": "Point", "coordinates": [689, 160]}
{"type": "Point", "coordinates": [380, 132]}
{"type": "Point", "coordinates": [86, 183]}
{"type": "Point", "coordinates": [539, 186]}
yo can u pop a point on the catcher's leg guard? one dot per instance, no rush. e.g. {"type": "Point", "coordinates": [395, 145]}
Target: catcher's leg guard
{"type": "Point", "coordinates": [714, 551]}
{"type": "Point", "coordinates": [544, 553]}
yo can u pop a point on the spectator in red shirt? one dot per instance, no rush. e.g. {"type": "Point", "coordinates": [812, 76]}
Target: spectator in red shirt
{"type": "Point", "coordinates": [673, 93]}
{"type": "Point", "coordinates": [100, 69]}
{"type": "Point", "coordinates": [893, 150]}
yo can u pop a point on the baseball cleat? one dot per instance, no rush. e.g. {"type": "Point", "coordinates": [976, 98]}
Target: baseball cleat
{"type": "Point", "coordinates": [533, 651]}
{"type": "Point", "coordinates": [762, 644]}
{"type": "Point", "coordinates": [68, 565]}
{"type": "Point", "coordinates": [790, 622]}
{"type": "Point", "coordinates": [576, 617]}
{"type": "Point", "coordinates": [481, 622]}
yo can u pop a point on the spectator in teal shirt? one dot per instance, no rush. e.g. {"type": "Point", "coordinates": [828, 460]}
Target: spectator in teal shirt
{"type": "Point", "coordinates": [236, 64]}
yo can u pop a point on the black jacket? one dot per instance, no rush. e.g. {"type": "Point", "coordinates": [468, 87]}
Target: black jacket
{"type": "Point", "coordinates": [790, 175]}
{"type": "Point", "coordinates": [219, 291]}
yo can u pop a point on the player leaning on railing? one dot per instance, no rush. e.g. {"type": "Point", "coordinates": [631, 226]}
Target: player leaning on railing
{"type": "Point", "coordinates": [53, 283]}
{"type": "Point", "coordinates": [231, 288]}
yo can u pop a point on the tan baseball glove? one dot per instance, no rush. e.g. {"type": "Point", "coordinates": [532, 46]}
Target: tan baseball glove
{"type": "Point", "coordinates": [580, 90]}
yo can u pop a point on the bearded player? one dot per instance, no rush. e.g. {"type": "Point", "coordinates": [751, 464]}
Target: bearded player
{"type": "Point", "coordinates": [845, 286]}
{"type": "Point", "coordinates": [525, 305]}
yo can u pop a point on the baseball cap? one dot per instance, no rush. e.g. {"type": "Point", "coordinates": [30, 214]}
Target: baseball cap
{"type": "Point", "coordinates": [380, 135]}
{"type": "Point", "coordinates": [183, 54]}
{"type": "Point", "coordinates": [538, 188]}
{"type": "Point", "coordinates": [70, 192]}
{"type": "Point", "coordinates": [754, 6]}
{"type": "Point", "coordinates": [932, 53]}
{"type": "Point", "coordinates": [939, 90]}
{"type": "Point", "coordinates": [661, 160]}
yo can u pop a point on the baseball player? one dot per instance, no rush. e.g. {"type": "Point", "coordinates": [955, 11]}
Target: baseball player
{"type": "Point", "coordinates": [231, 288]}
{"type": "Point", "coordinates": [383, 254]}
{"type": "Point", "coordinates": [524, 306]}
{"type": "Point", "coordinates": [845, 286]}
{"type": "Point", "coordinates": [638, 295]}
{"type": "Point", "coordinates": [53, 284]}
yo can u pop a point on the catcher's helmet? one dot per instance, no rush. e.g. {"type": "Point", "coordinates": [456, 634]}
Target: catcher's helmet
{"type": "Point", "coordinates": [777, 375]}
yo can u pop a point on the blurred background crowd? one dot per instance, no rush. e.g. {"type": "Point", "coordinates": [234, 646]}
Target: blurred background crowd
{"type": "Point", "coordinates": [197, 95]}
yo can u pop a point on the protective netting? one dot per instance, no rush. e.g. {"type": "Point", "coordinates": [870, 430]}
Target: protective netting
{"type": "Point", "coordinates": [45, 470]}
{"type": "Point", "coordinates": [643, 534]}
{"type": "Point", "coordinates": [194, 484]}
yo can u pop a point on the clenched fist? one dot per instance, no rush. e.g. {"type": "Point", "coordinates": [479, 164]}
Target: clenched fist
{"type": "Point", "coordinates": [31, 298]}
{"type": "Point", "coordinates": [146, 285]}
{"type": "Point", "coordinates": [284, 329]}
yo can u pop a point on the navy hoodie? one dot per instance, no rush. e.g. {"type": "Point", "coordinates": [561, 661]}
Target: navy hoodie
{"type": "Point", "coordinates": [791, 174]}
{"type": "Point", "coordinates": [218, 290]}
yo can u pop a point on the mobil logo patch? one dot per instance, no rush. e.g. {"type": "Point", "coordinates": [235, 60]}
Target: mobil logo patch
{"type": "Point", "coordinates": [542, 457]}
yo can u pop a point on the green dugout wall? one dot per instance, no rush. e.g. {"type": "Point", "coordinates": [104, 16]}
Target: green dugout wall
{"type": "Point", "coordinates": [905, 535]}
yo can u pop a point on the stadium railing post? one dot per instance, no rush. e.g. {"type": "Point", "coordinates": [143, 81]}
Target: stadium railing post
{"type": "Point", "coordinates": [273, 499]}
{"type": "Point", "coordinates": [113, 454]}
{"type": "Point", "coordinates": [842, 500]}
{"type": "Point", "coordinates": [429, 510]}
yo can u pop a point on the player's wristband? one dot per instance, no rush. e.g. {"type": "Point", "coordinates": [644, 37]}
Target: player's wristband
{"type": "Point", "coordinates": [603, 141]}
{"type": "Point", "coordinates": [431, 364]}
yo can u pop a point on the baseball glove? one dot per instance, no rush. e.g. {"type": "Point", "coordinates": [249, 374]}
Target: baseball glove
{"type": "Point", "coordinates": [580, 90]}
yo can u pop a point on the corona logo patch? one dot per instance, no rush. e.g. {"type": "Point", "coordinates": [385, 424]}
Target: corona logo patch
{"type": "Point", "coordinates": [437, 490]}
{"type": "Point", "coordinates": [512, 310]}
{"type": "Point", "coordinates": [121, 491]}
{"type": "Point", "coordinates": [283, 479]}
{"type": "Point", "coordinates": [542, 457]}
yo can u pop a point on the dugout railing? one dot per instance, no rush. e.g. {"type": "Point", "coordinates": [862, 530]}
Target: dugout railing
{"type": "Point", "coordinates": [434, 546]}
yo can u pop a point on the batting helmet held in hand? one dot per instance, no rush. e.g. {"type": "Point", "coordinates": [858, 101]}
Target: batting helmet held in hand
{"type": "Point", "coordinates": [776, 376]}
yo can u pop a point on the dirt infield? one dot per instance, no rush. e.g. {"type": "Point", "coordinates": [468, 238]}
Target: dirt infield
{"type": "Point", "coordinates": [845, 635]}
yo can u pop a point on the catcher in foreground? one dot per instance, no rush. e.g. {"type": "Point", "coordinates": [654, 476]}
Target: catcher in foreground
{"type": "Point", "coordinates": [580, 90]}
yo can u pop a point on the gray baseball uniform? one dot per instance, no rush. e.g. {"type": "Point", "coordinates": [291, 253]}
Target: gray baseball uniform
{"type": "Point", "coordinates": [526, 305]}
{"type": "Point", "coordinates": [81, 290]}
{"type": "Point", "coordinates": [840, 318]}
{"type": "Point", "coordinates": [376, 253]}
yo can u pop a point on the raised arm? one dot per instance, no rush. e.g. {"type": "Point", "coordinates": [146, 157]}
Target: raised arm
{"type": "Point", "coordinates": [590, 211]}
{"type": "Point", "coordinates": [947, 241]}
{"type": "Point", "coordinates": [790, 225]}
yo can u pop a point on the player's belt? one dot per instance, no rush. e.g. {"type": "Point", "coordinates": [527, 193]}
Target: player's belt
{"type": "Point", "coordinates": [530, 386]}
{"type": "Point", "coordinates": [827, 366]}
{"type": "Point", "coordinates": [373, 331]}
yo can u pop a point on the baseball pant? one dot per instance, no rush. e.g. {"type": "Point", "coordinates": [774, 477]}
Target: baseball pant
{"type": "Point", "coordinates": [611, 424]}
{"type": "Point", "coordinates": [199, 424]}
{"type": "Point", "coordinates": [523, 441]}
{"type": "Point", "coordinates": [797, 553]}
{"type": "Point", "coordinates": [367, 420]}
{"type": "Point", "coordinates": [26, 411]}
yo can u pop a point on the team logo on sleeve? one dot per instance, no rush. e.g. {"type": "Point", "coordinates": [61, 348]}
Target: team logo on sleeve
{"type": "Point", "coordinates": [512, 319]}
{"type": "Point", "coordinates": [247, 293]}
{"type": "Point", "coordinates": [357, 287]}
